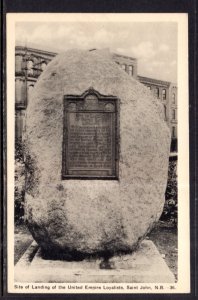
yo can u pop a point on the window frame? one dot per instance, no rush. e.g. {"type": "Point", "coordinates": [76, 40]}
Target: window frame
{"type": "Point", "coordinates": [130, 68]}
{"type": "Point", "coordinates": [164, 94]}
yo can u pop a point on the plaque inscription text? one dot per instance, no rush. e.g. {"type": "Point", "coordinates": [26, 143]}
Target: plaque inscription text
{"type": "Point", "coordinates": [90, 136]}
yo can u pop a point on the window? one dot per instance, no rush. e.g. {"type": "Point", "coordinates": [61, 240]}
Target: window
{"type": "Point", "coordinates": [18, 88]}
{"type": "Point", "coordinates": [18, 63]}
{"type": "Point", "coordinates": [173, 114]}
{"type": "Point", "coordinates": [131, 70]}
{"type": "Point", "coordinates": [123, 67]}
{"type": "Point", "coordinates": [43, 66]}
{"type": "Point", "coordinates": [173, 132]}
{"type": "Point", "coordinates": [163, 94]}
{"type": "Point", "coordinates": [157, 92]}
{"type": "Point", "coordinates": [30, 67]}
{"type": "Point", "coordinates": [173, 98]}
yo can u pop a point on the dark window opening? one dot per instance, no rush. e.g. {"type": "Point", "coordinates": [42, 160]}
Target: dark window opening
{"type": "Point", "coordinates": [163, 94]}
{"type": "Point", "coordinates": [173, 114]}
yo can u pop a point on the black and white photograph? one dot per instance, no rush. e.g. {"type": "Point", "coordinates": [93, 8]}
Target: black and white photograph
{"type": "Point", "coordinates": [98, 172]}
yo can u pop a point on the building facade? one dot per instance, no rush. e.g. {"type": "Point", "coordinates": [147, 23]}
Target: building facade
{"type": "Point", "coordinates": [30, 63]}
{"type": "Point", "coordinates": [166, 92]}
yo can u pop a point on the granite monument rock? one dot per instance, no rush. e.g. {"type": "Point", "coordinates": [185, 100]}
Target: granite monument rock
{"type": "Point", "coordinates": [97, 150]}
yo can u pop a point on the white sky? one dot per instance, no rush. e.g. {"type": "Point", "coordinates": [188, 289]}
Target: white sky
{"type": "Point", "coordinates": [154, 44]}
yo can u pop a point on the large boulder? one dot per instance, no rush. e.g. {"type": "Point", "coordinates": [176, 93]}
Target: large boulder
{"type": "Point", "coordinates": [94, 216]}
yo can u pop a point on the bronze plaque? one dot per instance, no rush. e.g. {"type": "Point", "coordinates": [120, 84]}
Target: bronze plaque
{"type": "Point", "coordinates": [90, 136]}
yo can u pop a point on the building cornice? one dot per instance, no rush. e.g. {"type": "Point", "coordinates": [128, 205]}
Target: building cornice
{"type": "Point", "coordinates": [153, 81]}
{"type": "Point", "coordinates": [124, 56]}
{"type": "Point", "coordinates": [35, 51]}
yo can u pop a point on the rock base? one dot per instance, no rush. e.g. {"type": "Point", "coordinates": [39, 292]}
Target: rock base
{"type": "Point", "coordinates": [143, 266]}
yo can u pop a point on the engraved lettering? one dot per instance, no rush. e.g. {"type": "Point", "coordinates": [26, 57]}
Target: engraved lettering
{"type": "Point", "coordinates": [90, 136]}
{"type": "Point", "coordinates": [90, 140]}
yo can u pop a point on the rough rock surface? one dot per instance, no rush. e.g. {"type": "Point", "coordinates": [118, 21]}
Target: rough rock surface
{"type": "Point", "coordinates": [82, 216]}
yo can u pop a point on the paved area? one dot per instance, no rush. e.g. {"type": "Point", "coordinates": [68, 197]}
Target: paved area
{"type": "Point", "coordinates": [145, 265]}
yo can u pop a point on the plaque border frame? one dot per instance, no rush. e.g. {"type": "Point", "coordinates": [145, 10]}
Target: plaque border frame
{"type": "Point", "coordinates": [101, 97]}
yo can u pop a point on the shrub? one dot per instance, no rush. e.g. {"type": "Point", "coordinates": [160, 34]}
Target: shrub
{"type": "Point", "coordinates": [170, 207]}
{"type": "Point", "coordinates": [19, 188]}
